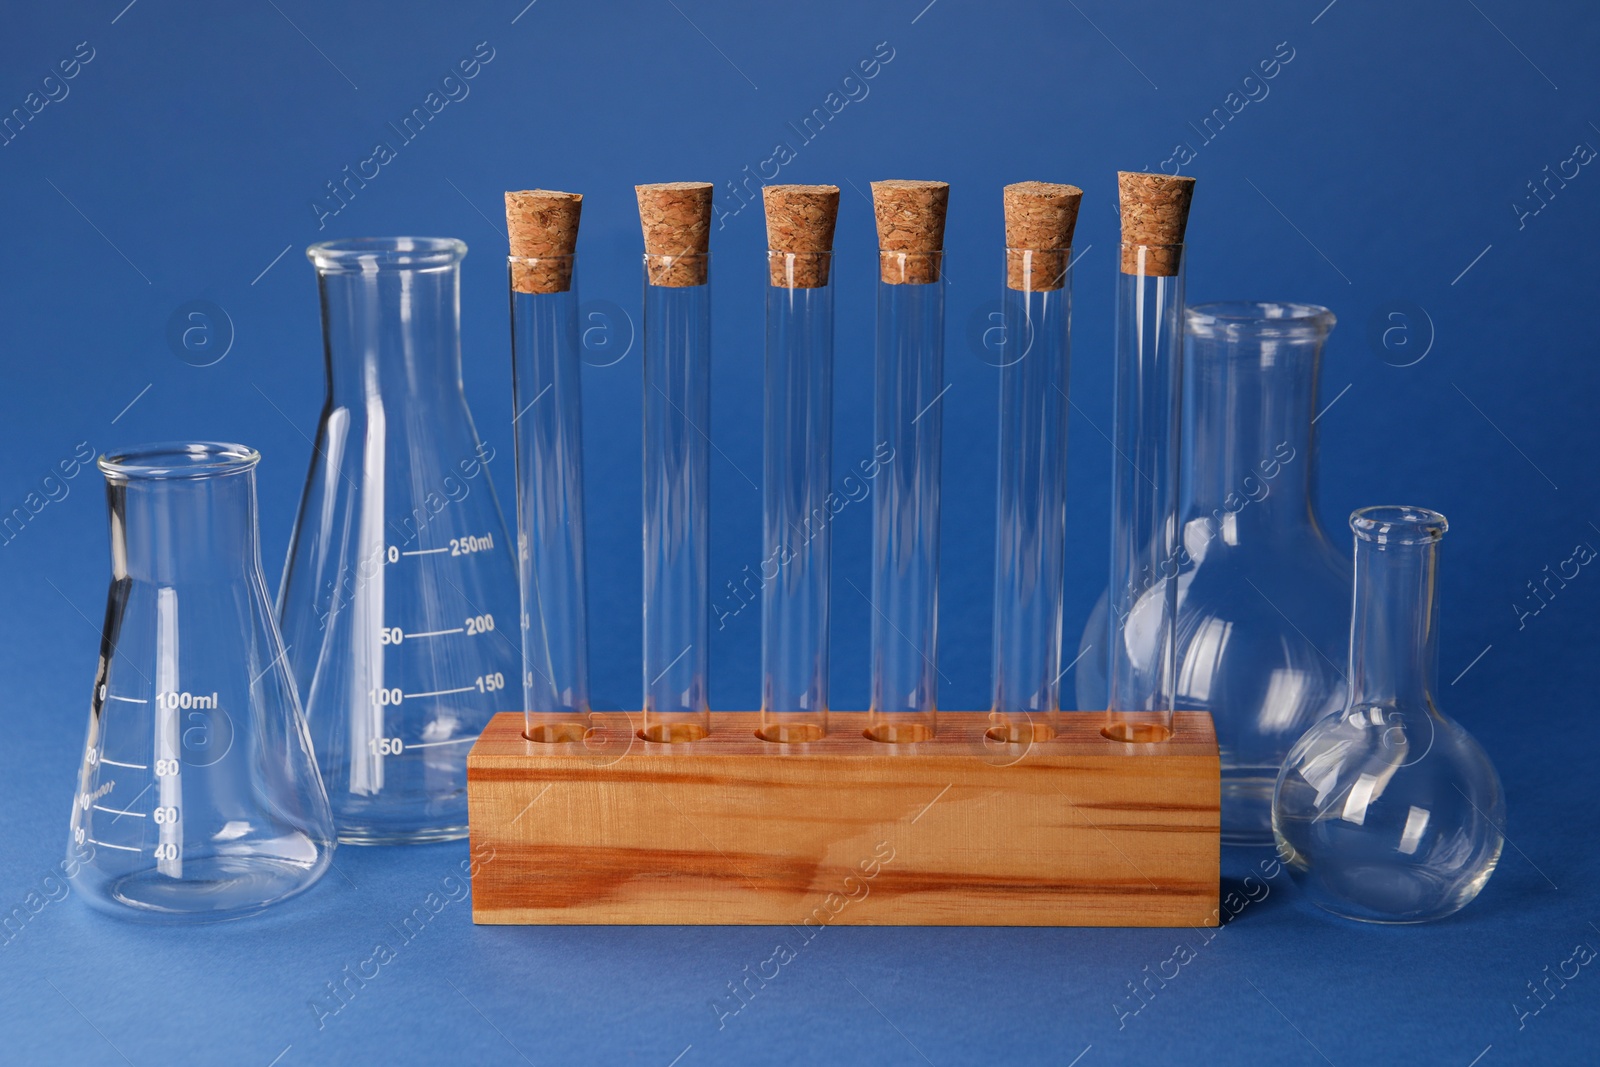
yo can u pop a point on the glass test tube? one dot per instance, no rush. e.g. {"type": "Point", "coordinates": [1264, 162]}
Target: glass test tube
{"type": "Point", "coordinates": [546, 367]}
{"type": "Point", "coordinates": [1031, 482]}
{"type": "Point", "coordinates": [1145, 549]}
{"type": "Point", "coordinates": [795, 519]}
{"type": "Point", "coordinates": [905, 516]}
{"type": "Point", "coordinates": [677, 500]}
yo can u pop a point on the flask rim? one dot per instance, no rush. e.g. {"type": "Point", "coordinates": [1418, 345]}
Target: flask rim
{"type": "Point", "coordinates": [1263, 318]}
{"type": "Point", "coordinates": [177, 459]}
{"type": "Point", "coordinates": [1398, 524]}
{"type": "Point", "coordinates": [368, 255]}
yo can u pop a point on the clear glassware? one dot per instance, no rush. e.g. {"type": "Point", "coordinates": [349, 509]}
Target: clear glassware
{"type": "Point", "coordinates": [677, 496]}
{"type": "Point", "coordinates": [1262, 629]}
{"type": "Point", "coordinates": [908, 421]}
{"type": "Point", "coordinates": [796, 531]}
{"type": "Point", "coordinates": [1144, 494]}
{"type": "Point", "coordinates": [547, 394]}
{"type": "Point", "coordinates": [1031, 500]}
{"type": "Point", "coordinates": [198, 799]}
{"type": "Point", "coordinates": [1387, 811]}
{"type": "Point", "coordinates": [399, 598]}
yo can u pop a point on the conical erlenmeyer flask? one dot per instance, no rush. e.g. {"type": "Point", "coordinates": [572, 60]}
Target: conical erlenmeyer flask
{"type": "Point", "coordinates": [399, 600]}
{"type": "Point", "coordinates": [198, 799]}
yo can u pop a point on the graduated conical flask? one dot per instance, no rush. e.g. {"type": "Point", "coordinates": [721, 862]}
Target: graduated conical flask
{"type": "Point", "coordinates": [399, 600]}
{"type": "Point", "coordinates": [198, 799]}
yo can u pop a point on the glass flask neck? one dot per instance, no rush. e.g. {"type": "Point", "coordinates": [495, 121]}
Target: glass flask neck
{"type": "Point", "coordinates": [183, 514]}
{"type": "Point", "coordinates": [1394, 647]}
{"type": "Point", "coordinates": [1251, 437]}
{"type": "Point", "coordinates": [391, 315]}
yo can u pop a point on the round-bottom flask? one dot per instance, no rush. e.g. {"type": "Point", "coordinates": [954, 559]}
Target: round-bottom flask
{"type": "Point", "coordinates": [1387, 811]}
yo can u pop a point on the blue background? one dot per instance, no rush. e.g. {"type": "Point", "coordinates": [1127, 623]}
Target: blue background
{"type": "Point", "coordinates": [1384, 165]}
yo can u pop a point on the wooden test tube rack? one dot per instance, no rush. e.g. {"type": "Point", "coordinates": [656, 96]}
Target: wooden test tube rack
{"type": "Point", "coordinates": [957, 831]}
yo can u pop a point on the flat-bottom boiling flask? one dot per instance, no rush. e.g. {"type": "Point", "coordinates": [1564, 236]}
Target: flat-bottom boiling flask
{"type": "Point", "coordinates": [198, 799]}
{"type": "Point", "coordinates": [1263, 596]}
{"type": "Point", "coordinates": [399, 600]}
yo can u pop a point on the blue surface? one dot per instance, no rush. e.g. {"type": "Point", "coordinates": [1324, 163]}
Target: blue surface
{"type": "Point", "coordinates": [1385, 163]}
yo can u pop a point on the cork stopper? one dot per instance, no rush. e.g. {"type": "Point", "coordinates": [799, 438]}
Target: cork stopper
{"type": "Point", "coordinates": [800, 220]}
{"type": "Point", "coordinates": [1040, 217]}
{"type": "Point", "coordinates": [676, 217]}
{"type": "Point", "coordinates": [910, 219]}
{"type": "Point", "coordinates": [542, 224]}
{"type": "Point", "coordinates": [1155, 211]}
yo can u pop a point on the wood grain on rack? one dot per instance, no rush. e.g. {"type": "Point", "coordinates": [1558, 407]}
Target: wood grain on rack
{"type": "Point", "coordinates": [1075, 831]}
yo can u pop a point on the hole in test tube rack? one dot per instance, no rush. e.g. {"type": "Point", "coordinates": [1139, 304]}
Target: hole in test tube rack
{"type": "Point", "coordinates": [673, 733]}
{"type": "Point", "coordinates": [896, 733]}
{"type": "Point", "coordinates": [1136, 733]}
{"type": "Point", "coordinates": [557, 733]}
{"type": "Point", "coordinates": [797, 733]}
{"type": "Point", "coordinates": [1020, 733]}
